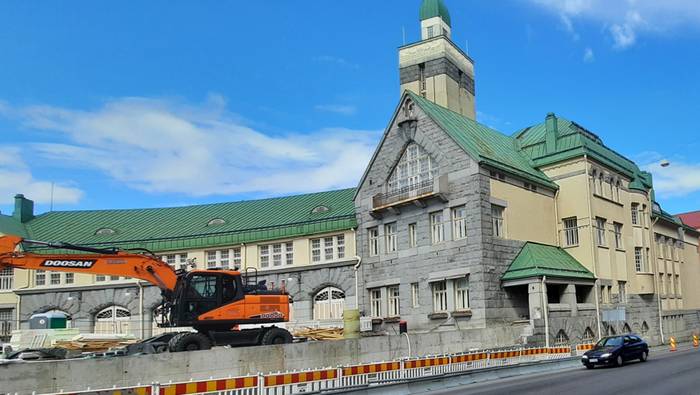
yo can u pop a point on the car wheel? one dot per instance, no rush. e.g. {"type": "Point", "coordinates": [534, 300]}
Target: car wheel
{"type": "Point", "coordinates": [619, 361]}
{"type": "Point", "coordinates": [276, 336]}
{"type": "Point", "coordinates": [644, 356]}
{"type": "Point", "coordinates": [589, 366]}
{"type": "Point", "coordinates": [189, 341]}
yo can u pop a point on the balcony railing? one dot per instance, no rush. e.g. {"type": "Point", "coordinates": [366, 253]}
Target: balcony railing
{"type": "Point", "coordinates": [423, 189]}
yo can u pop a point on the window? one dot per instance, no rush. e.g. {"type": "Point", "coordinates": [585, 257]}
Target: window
{"type": "Point", "coordinates": [6, 319]}
{"type": "Point", "coordinates": [215, 259]}
{"type": "Point", "coordinates": [276, 254]}
{"type": "Point", "coordinates": [462, 293]}
{"type": "Point", "coordinates": [635, 214]}
{"type": "Point", "coordinates": [40, 277]}
{"type": "Point", "coordinates": [497, 220]}
{"type": "Point", "coordinates": [639, 266]}
{"type": "Point", "coordinates": [600, 231]}
{"type": "Point", "coordinates": [645, 328]}
{"type": "Point", "coordinates": [415, 296]}
{"type": "Point", "coordinates": [373, 241]}
{"type": "Point", "coordinates": [390, 237]}
{"type": "Point", "coordinates": [440, 296]}
{"type": "Point", "coordinates": [530, 187]}
{"type": "Point", "coordinates": [618, 235]}
{"type": "Point", "coordinates": [571, 231]}
{"type": "Point", "coordinates": [562, 339]}
{"type": "Point", "coordinates": [431, 31]}
{"type": "Point", "coordinates": [588, 335]}
{"type": "Point", "coordinates": [329, 304]}
{"type": "Point", "coordinates": [70, 278]}
{"type": "Point", "coordinates": [459, 223]}
{"type": "Point", "coordinates": [622, 289]}
{"type": "Point", "coordinates": [6, 278]}
{"type": "Point", "coordinates": [497, 175]}
{"type": "Point", "coordinates": [394, 302]}
{"type": "Point", "coordinates": [327, 249]}
{"type": "Point", "coordinates": [113, 320]}
{"type": "Point", "coordinates": [413, 174]}
{"type": "Point", "coordinates": [55, 278]}
{"type": "Point", "coordinates": [375, 302]}
{"type": "Point", "coordinates": [99, 278]}
{"type": "Point", "coordinates": [412, 236]}
{"type": "Point", "coordinates": [437, 230]}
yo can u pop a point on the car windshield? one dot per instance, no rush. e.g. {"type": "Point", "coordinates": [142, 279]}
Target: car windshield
{"type": "Point", "coordinates": [610, 341]}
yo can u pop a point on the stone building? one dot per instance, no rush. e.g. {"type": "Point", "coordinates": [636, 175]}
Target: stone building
{"type": "Point", "coordinates": [547, 232]}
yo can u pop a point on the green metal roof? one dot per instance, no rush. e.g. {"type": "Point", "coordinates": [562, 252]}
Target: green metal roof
{"type": "Point", "coordinates": [537, 260]}
{"type": "Point", "coordinates": [178, 228]}
{"type": "Point", "coordinates": [482, 143]}
{"type": "Point", "coordinates": [11, 226]}
{"type": "Point", "coordinates": [573, 140]}
{"type": "Point", "coordinates": [432, 8]}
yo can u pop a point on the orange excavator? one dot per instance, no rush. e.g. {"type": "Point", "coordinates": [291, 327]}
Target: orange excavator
{"type": "Point", "coordinates": [213, 302]}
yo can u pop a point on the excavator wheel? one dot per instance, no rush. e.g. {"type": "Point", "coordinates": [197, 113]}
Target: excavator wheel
{"type": "Point", "coordinates": [276, 336]}
{"type": "Point", "coordinates": [189, 341]}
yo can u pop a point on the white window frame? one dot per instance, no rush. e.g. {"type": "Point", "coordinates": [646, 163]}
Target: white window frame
{"type": "Point", "coordinates": [437, 227]}
{"type": "Point", "coordinates": [40, 278]}
{"type": "Point", "coordinates": [461, 287]}
{"type": "Point", "coordinates": [412, 235]}
{"type": "Point", "coordinates": [600, 231]}
{"type": "Point", "coordinates": [431, 31]}
{"type": "Point", "coordinates": [393, 297]}
{"type": "Point", "coordinates": [55, 278]}
{"type": "Point", "coordinates": [497, 220]}
{"type": "Point", "coordinates": [439, 289]}
{"type": "Point", "coordinates": [375, 302]}
{"type": "Point", "coordinates": [618, 235]}
{"type": "Point", "coordinates": [459, 222]}
{"type": "Point", "coordinates": [373, 237]}
{"type": "Point", "coordinates": [328, 248]}
{"type": "Point", "coordinates": [390, 237]}
{"type": "Point", "coordinates": [639, 264]}
{"type": "Point", "coordinates": [415, 295]}
{"type": "Point", "coordinates": [635, 213]}
{"type": "Point", "coordinates": [571, 231]}
{"type": "Point", "coordinates": [7, 279]}
{"type": "Point", "coordinates": [224, 258]}
{"type": "Point", "coordinates": [413, 174]}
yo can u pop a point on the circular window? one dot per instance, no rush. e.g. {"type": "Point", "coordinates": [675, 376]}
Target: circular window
{"type": "Point", "coordinates": [320, 209]}
{"type": "Point", "coordinates": [216, 222]}
{"type": "Point", "coordinates": [105, 232]}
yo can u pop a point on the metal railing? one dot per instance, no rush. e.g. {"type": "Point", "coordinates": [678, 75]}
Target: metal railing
{"type": "Point", "coordinates": [408, 192]}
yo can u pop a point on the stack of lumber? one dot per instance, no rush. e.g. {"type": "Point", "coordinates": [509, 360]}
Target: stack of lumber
{"type": "Point", "coordinates": [94, 344]}
{"type": "Point", "coordinates": [320, 333]}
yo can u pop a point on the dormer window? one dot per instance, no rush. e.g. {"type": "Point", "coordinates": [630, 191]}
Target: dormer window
{"type": "Point", "coordinates": [216, 222]}
{"type": "Point", "coordinates": [320, 209]}
{"type": "Point", "coordinates": [105, 232]}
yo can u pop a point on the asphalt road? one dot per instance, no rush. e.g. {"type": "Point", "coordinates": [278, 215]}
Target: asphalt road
{"type": "Point", "coordinates": [675, 373]}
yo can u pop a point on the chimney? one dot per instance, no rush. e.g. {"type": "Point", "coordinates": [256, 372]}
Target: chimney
{"type": "Point", "coordinates": [24, 209]}
{"type": "Point", "coordinates": [550, 124]}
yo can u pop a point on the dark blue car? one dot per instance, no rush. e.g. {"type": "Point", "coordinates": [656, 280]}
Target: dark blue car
{"type": "Point", "coordinates": [615, 351]}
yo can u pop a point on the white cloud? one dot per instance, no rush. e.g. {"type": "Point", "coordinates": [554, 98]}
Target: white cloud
{"type": "Point", "coordinates": [588, 55]}
{"type": "Point", "coordinates": [163, 146]}
{"type": "Point", "coordinates": [677, 180]}
{"type": "Point", "coordinates": [16, 177]}
{"type": "Point", "coordinates": [625, 20]}
{"type": "Point", "coordinates": [337, 109]}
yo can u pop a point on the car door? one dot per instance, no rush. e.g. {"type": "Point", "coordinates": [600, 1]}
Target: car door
{"type": "Point", "coordinates": [628, 349]}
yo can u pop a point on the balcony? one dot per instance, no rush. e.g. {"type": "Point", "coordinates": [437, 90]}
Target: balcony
{"type": "Point", "coordinates": [416, 194]}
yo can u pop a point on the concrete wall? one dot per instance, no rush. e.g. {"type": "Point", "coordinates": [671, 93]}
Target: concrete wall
{"type": "Point", "coordinates": [74, 375]}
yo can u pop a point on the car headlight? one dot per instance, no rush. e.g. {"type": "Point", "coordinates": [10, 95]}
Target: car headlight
{"type": "Point", "coordinates": [584, 357]}
{"type": "Point", "coordinates": [607, 354]}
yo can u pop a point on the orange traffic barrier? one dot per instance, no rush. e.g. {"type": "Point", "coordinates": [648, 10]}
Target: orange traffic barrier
{"type": "Point", "coordinates": [672, 342]}
{"type": "Point", "coordinates": [696, 341]}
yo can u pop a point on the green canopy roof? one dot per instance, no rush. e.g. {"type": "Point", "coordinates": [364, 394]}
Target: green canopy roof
{"type": "Point", "coordinates": [537, 260]}
{"type": "Point", "coordinates": [432, 8]}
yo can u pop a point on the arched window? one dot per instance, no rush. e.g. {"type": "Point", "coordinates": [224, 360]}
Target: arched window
{"type": "Point", "coordinates": [413, 174]}
{"type": "Point", "coordinates": [329, 304]}
{"type": "Point", "coordinates": [588, 336]}
{"type": "Point", "coordinates": [611, 330]}
{"type": "Point", "coordinates": [626, 329]}
{"type": "Point", "coordinates": [113, 319]}
{"type": "Point", "coordinates": [645, 328]}
{"type": "Point", "coordinates": [561, 339]}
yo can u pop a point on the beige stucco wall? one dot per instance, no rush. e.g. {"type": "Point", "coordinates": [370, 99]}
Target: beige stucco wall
{"type": "Point", "coordinates": [690, 274]}
{"type": "Point", "coordinates": [529, 216]}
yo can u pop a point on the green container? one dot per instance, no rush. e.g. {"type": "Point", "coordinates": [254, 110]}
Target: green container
{"type": "Point", "coordinates": [351, 324]}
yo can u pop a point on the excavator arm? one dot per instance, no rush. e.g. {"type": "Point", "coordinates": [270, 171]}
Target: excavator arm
{"type": "Point", "coordinates": [109, 262]}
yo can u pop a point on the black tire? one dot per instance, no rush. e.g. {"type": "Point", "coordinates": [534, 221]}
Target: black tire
{"type": "Point", "coordinates": [276, 336]}
{"type": "Point", "coordinates": [589, 366]}
{"type": "Point", "coordinates": [189, 341]}
{"type": "Point", "coordinates": [619, 361]}
{"type": "Point", "coordinates": [644, 356]}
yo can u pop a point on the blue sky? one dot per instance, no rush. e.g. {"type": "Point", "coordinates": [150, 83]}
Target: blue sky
{"type": "Point", "coordinates": [162, 103]}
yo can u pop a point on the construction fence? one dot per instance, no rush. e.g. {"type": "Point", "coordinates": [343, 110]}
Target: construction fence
{"type": "Point", "coordinates": [346, 377]}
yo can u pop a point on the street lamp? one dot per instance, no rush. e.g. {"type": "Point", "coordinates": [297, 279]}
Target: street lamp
{"type": "Point", "coordinates": [665, 163]}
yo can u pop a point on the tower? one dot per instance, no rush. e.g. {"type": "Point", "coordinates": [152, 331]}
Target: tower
{"type": "Point", "coordinates": [435, 67]}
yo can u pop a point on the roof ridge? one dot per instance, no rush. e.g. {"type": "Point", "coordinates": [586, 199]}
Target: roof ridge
{"type": "Point", "coordinates": [197, 205]}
